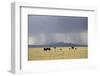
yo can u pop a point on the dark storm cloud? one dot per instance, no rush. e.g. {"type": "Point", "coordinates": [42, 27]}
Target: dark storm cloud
{"type": "Point", "coordinates": [56, 24]}
{"type": "Point", "coordinates": [48, 29]}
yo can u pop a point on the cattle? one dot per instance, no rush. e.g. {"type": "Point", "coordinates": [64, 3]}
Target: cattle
{"type": "Point", "coordinates": [73, 48]}
{"type": "Point", "coordinates": [46, 49]}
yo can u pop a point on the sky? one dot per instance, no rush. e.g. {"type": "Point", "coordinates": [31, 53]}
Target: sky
{"type": "Point", "coordinates": [43, 29]}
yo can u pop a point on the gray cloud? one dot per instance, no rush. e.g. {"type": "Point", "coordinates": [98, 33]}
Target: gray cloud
{"type": "Point", "coordinates": [46, 29]}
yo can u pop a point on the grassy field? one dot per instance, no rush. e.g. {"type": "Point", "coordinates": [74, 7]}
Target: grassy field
{"type": "Point", "coordinates": [58, 53]}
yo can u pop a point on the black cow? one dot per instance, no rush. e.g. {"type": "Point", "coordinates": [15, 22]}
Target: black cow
{"type": "Point", "coordinates": [72, 47]}
{"type": "Point", "coordinates": [46, 49]}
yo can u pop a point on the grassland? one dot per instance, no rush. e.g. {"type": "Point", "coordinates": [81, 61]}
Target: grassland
{"type": "Point", "coordinates": [58, 53]}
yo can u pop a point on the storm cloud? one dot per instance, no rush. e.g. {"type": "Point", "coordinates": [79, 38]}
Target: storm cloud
{"type": "Point", "coordinates": [48, 29]}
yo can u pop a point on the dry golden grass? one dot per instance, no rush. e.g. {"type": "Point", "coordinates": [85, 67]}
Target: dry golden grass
{"type": "Point", "coordinates": [58, 53]}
